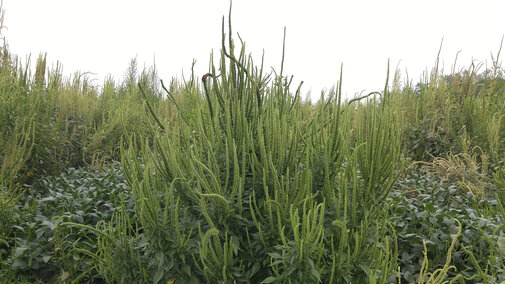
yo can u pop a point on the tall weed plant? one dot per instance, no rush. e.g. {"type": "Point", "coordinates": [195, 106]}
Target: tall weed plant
{"type": "Point", "coordinates": [444, 108]}
{"type": "Point", "coordinates": [250, 190]}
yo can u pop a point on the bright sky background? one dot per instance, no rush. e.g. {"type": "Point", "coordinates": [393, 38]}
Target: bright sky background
{"type": "Point", "coordinates": [102, 36]}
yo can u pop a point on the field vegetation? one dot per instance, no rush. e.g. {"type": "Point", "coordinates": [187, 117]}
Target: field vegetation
{"type": "Point", "coordinates": [231, 177]}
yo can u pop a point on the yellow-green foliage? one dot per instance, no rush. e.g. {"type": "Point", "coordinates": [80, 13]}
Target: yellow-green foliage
{"type": "Point", "coordinates": [442, 109]}
{"type": "Point", "coordinates": [49, 123]}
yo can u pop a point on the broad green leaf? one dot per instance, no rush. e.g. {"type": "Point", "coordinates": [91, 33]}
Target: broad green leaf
{"type": "Point", "coordinates": [501, 243]}
{"type": "Point", "coordinates": [64, 276]}
{"type": "Point", "coordinates": [269, 279]}
{"type": "Point", "coordinates": [46, 258]}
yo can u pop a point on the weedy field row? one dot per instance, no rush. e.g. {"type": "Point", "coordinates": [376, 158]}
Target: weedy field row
{"type": "Point", "coordinates": [232, 177]}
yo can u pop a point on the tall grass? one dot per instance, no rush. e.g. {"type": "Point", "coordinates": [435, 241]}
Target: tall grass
{"type": "Point", "coordinates": [445, 108]}
{"type": "Point", "coordinates": [49, 123]}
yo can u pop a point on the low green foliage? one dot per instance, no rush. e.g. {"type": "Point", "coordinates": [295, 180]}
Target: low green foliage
{"type": "Point", "coordinates": [39, 246]}
{"type": "Point", "coordinates": [424, 209]}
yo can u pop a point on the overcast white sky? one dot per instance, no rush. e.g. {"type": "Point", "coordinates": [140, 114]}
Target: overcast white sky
{"type": "Point", "coordinates": [102, 36]}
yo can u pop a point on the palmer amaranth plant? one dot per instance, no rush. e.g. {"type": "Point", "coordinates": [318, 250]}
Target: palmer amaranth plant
{"type": "Point", "coordinates": [250, 190]}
